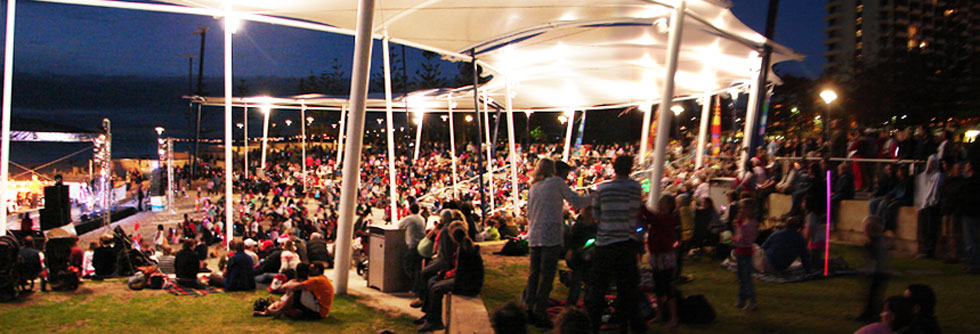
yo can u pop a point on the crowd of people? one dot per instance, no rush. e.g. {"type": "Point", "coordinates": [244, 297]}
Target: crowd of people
{"type": "Point", "coordinates": [591, 211]}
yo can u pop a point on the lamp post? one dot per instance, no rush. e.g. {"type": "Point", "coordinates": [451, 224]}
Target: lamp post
{"type": "Point", "coordinates": [828, 97]}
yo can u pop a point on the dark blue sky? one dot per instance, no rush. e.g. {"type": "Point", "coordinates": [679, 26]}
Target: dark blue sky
{"type": "Point", "coordinates": [80, 40]}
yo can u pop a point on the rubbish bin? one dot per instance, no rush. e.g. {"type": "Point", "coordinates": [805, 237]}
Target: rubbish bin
{"type": "Point", "coordinates": [387, 244]}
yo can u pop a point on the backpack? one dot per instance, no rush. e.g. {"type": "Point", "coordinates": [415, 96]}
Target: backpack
{"type": "Point", "coordinates": [157, 280]}
{"type": "Point", "coordinates": [515, 247]}
{"type": "Point", "coordinates": [695, 310]}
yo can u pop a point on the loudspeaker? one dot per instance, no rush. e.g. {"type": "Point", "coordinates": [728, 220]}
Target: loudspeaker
{"type": "Point", "coordinates": [158, 182]}
{"type": "Point", "coordinates": [57, 208]}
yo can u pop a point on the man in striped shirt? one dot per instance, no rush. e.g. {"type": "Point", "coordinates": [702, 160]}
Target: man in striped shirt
{"type": "Point", "coordinates": [617, 205]}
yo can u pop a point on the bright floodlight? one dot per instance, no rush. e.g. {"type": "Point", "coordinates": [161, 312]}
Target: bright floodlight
{"type": "Point", "coordinates": [309, 120]}
{"type": "Point", "coordinates": [562, 119]}
{"type": "Point", "coordinates": [240, 125]}
{"type": "Point", "coordinates": [444, 118]}
{"type": "Point", "coordinates": [468, 118]}
{"type": "Point", "coordinates": [159, 130]}
{"type": "Point", "coordinates": [266, 109]}
{"type": "Point", "coordinates": [232, 23]}
{"type": "Point", "coordinates": [828, 96]}
{"type": "Point", "coordinates": [289, 122]}
{"type": "Point", "coordinates": [677, 110]}
{"type": "Point", "coordinates": [380, 120]}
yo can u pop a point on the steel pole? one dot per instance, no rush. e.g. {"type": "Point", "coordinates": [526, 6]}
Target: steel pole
{"type": "Point", "coordinates": [360, 78]}
{"type": "Point", "coordinates": [302, 120]}
{"type": "Point", "coordinates": [703, 130]}
{"type": "Point", "coordinates": [340, 135]}
{"type": "Point", "coordinates": [392, 185]}
{"type": "Point", "coordinates": [490, 147]}
{"type": "Point", "coordinates": [514, 191]}
{"type": "Point", "coordinates": [667, 99]}
{"type": "Point", "coordinates": [229, 168]}
{"type": "Point", "coordinates": [245, 116]}
{"type": "Point", "coordinates": [452, 149]}
{"type": "Point", "coordinates": [8, 82]}
{"type": "Point", "coordinates": [265, 134]}
{"type": "Point", "coordinates": [568, 136]}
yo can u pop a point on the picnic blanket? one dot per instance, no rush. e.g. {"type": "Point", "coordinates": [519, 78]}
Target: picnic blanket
{"type": "Point", "coordinates": [173, 288]}
{"type": "Point", "coordinates": [795, 272]}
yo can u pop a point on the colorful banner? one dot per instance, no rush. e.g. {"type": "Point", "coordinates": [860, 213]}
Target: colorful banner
{"type": "Point", "coordinates": [716, 127]}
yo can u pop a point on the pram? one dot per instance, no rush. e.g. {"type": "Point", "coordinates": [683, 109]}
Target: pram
{"type": "Point", "coordinates": [59, 273]}
{"type": "Point", "coordinates": [10, 279]}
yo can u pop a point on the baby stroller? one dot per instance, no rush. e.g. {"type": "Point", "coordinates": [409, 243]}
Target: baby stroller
{"type": "Point", "coordinates": [10, 281]}
{"type": "Point", "coordinates": [59, 273]}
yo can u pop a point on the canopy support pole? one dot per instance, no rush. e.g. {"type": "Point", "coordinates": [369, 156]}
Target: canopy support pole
{"type": "Point", "coordinates": [750, 118]}
{"type": "Point", "coordinates": [568, 135]}
{"type": "Point", "coordinates": [229, 168]}
{"type": "Point", "coordinates": [245, 122]}
{"type": "Point", "coordinates": [392, 185]}
{"type": "Point", "coordinates": [418, 133]}
{"type": "Point", "coordinates": [8, 82]}
{"type": "Point", "coordinates": [647, 108]}
{"type": "Point", "coordinates": [361, 70]}
{"type": "Point", "coordinates": [452, 150]}
{"type": "Point", "coordinates": [490, 146]}
{"type": "Point", "coordinates": [340, 134]}
{"type": "Point", "coordinates": [481, 168]}
{"type": "Point", "coordinates": [667, 99]}
{"type": "Point", "coordinates": [514, 190]}
{"type": "Point", "coordinates": [302, 127]}
{"type": "Point", "coordinates": [703, 130]}
{"type": "Point", "coordinates": [265, 134]}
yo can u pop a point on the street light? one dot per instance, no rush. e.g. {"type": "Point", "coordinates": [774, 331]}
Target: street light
{"type": "Point", "coordinates": [380, 120]}
{"type": "Point", "coordinates": [289, 122]}
{"type": "Point", "coordinates": [309, 120]}
{"type": "Point", "coordinates": [562, 119]}
{"type": "Point", "coordinates": [468, 118]}
{"type": "Point", "coordinates": [159, 130]}
{"type": "Point", "coordinates": [677, 110]}
{"type": "Point", "coordinates": [444, 118]}
{"type": "Point", "coordinates": [240, 125]}
{"type": "Point", "coordinates": [828, 97]}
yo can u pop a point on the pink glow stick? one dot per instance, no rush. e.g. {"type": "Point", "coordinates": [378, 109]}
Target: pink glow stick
{"type": "Point", "coordinates": [826, 247]}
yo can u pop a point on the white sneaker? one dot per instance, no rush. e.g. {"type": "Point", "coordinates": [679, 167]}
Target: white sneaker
{"type": "Point", "coordinates": [750, 306]}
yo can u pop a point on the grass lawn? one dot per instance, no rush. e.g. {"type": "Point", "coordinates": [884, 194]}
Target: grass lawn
{"type": "Point", "coordinates": [109, 307]}
{"type": "Point", "coordinates": [819, 306]}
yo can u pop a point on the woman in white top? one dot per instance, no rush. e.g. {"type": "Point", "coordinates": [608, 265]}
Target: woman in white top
{"type": "Point", "coordinates": [289, 257]}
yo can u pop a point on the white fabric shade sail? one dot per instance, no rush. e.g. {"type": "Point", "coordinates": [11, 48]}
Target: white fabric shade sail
{"type": "Point", "coordinates": [555, 54]}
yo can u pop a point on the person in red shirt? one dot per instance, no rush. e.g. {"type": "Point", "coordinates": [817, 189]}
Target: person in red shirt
{"type": "Point", "coordinates": [746, 231]}
{"type": "Point", "coordinates": [661, 239]}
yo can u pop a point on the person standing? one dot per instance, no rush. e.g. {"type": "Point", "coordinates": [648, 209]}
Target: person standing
{"type": "Point", "coordinates": [970, 216]}
{"type": "Point", "coordinates": [616, 207]}
{"type": "Point", "coordinates": [546, 235]}
{"type": "Point", "coordinates": [927, 203]}
{"type": "Point", "coordinates": [414, 227]}
{"type": "Point", "coordinates": [746, 231]}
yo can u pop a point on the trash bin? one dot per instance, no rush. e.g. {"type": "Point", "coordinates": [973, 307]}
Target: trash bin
{"type": "Point", "coordinates": [387, 244]}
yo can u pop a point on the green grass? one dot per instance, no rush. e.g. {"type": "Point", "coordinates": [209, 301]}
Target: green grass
{"type": "Point", "coordinates": [158, 312]}
{"type": "Point", "coordinates": [819, 306]}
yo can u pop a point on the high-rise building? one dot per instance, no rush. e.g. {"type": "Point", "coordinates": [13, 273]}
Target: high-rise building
{"type": "Point", "coordinates": [861, 32]}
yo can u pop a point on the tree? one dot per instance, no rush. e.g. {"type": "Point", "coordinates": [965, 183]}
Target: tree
{"type": "Point", "coordinates": [428, 74]}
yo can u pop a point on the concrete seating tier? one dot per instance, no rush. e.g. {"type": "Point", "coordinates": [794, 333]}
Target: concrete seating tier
{"type": "Point", "coordinates": [462, 314]}
{"type": "Point", "coordinates": [849, 228]}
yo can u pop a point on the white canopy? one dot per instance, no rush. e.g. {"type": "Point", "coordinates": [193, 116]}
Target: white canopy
{"type": "Point", "coordinates": [556, 54]}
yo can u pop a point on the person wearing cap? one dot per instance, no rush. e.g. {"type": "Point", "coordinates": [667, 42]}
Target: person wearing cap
{"type": "Point", "coordinates": [249, 250]}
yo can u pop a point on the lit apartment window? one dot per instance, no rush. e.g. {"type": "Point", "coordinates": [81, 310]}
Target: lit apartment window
{"type": "Point", "coordinates": [858, 45]}
{"type": "Point", "coordinates": [912, 44]}
{"type": "Point", "coordinates": [923, 45]}
{"type": "Point", "coordinates": [858, 20]}
{"type": "Point", "coordinates": [857, 33]}
{"type": "Point", "coordinates": [859, 8]}
{"type": "Point", "coordinates": [913, 30]}
{"type": "Point", "coordinates": [949, 12]}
